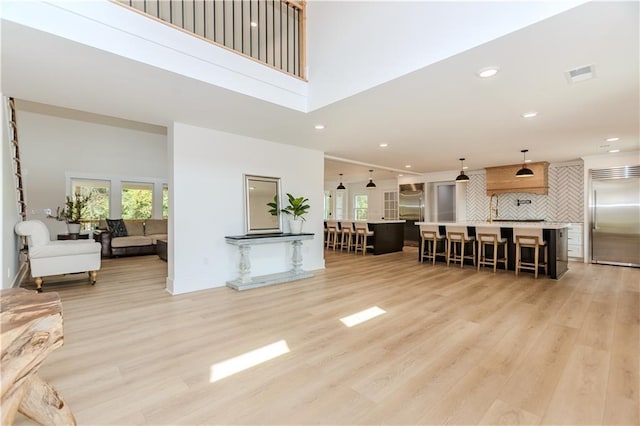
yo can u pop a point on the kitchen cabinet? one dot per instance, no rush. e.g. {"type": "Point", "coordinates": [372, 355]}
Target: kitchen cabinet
{"type": "Point", "coordinates": [502, 179]}
{"type": "Point", "coordinates": [575, 241]}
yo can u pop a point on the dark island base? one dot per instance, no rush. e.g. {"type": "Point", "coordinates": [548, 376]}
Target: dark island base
{"type": "Point", "coordinates": [387, 237]}
{"type": "Point", "coordinates": [556, 240]}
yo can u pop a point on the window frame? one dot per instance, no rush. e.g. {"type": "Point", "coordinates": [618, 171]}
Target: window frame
{"type": "Point", "coordinates": [357, 210]}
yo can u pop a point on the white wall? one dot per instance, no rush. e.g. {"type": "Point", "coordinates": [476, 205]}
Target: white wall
{"type": "Point", "coordinates": [206, 186]}
{"type": "Point", "coordinates": [9, 213]}
{"type": "Point", "coordinates": [53, 148]}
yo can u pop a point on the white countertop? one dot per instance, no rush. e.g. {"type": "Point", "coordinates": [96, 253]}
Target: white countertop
{"type": "Point", "coordinates": [368, 221]}
{"type": "Point", "coordinates": [385, 221]}
{"type": "Point", "coordinates": [543, 225]}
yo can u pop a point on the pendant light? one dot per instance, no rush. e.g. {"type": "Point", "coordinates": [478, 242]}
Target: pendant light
{"type": "Point", "coordinates": [341, 186]}
{"type": "Point", "coordinates": [371, 185]}
{"type": "Point", "coordinates": [462, 177]}
{"type": "Point", "coordinates": [524, 171]}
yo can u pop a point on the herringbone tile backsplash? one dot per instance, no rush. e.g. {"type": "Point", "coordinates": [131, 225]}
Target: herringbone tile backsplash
{"type": "Point", "coordinates": [564, 203]}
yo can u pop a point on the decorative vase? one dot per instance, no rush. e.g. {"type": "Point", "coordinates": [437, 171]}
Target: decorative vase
{"type": "Point", "coordinates": [74, 228]}
{"type": "Point", "coordinates": [295, 226]}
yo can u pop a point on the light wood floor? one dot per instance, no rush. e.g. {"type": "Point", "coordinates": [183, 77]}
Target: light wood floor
{"type": "Point", "coordinates": [454, 347]}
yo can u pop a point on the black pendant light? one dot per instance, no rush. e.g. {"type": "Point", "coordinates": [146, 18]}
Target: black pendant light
{"type": "Point", "coordinates": [524, 171]}
{"type": "Point", "coordinates": [462, 177]}
{"type": "Point", "coordinates": [371, 185]}
{"type": "Point", "coordinates": [341, 186]}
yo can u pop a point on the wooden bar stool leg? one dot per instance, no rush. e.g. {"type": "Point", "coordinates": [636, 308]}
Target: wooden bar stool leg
{"type": "Point", "coordinates": [506, 256]}
{"type": "Point", "coordinates": [517, 258]}
{"type": "Point", "coordinates": [364, 244]}
{"type": "Point", "coordinates": [495, 256]}
{"type": "Point", "coordinates": [536, 258]}
{"type": "Point", "coordinates": [473, 253]}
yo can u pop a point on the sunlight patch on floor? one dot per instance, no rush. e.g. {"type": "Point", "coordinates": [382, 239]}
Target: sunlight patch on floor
{"type": "Point", "coordinates": [247, 360]}
{"type": "Point", "coordinates": [362, 316]}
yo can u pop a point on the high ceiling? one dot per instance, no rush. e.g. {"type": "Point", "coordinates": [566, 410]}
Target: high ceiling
{"type": "Point", "coordinates": [428, 118]}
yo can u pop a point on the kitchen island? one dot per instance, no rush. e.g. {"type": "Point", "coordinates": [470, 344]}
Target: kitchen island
{"type": "Point", "coordinates": [554, 233]}
{"type": "Point", "coordinates": [388, 235]}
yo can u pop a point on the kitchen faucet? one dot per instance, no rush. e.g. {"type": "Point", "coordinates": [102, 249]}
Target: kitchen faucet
{"type": "Point", "coordinates": [493, 209]}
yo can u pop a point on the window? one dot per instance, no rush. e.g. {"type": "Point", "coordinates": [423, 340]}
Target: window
{"type": "Point", "coordinates": [137, 200]}
{"type": "Point", "coordinates": [360, 207]}
{"type": "Point", "coordinates": [98, 205]}
{"type": "Point", "coordinates": [390, 205]}
{"type": "Point", "coordinates": [165, 201]}
{"type": "Point", "coordinates": [327, 205]}
{"type": "Point", "coordinates": [339, 206]}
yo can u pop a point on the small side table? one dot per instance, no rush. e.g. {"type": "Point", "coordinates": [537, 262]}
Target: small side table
{"type": "Point", "coordinates": [73, 237]}
{"type": "Point", "coordinates": [161, 247]}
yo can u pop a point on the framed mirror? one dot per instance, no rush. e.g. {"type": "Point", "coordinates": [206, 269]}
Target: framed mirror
{"type": "Point", "coordinates": [260, 217]}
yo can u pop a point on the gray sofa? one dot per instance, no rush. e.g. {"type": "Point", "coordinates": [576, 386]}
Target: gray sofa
{"type": "Point", "coordinates": [141, 238]}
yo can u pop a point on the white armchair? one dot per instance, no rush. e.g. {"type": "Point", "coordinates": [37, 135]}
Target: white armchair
{"type": "Point", "coordinates": [48, 257]}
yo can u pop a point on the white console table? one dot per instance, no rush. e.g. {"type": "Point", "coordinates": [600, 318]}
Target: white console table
{"type": "Point", "coordinates": [244, 242]}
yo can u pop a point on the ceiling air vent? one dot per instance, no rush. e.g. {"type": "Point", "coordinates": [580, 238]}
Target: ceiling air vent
{"type": "Point", "coordinates": [580, 74]}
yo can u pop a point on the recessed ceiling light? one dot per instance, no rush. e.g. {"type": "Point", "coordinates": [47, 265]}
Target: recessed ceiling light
{"type": "Point", "coordinates": [400, 175]}
{"type": "Point", "coordinates": [408, 166]}
{"type": "Point", "coordinates": [527, 161]}
{"type": "Point", "coordinates": [529, 114]}
{"type": "Point", "coordinates": [465, 167]}
{"type": "Point", "coordinates": [383, 145]}
{"type": "Point", "coordinates": [612, 139]}
{"type": "Point", "coordinates": [613, 151]}
{"type": "Point", "coordinates": [319, 126]}
{"type": "Point", "coordinates": [254, 24]}
{"type": "Point", "coordinates": [488, 72]}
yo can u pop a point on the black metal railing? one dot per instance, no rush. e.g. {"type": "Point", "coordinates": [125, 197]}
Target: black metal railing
{"type": "Point", "coordinates": [270, 31]}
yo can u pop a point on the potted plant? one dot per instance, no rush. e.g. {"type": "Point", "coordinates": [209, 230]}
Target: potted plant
{"type": "Point", "coordinates": [73, 211]}
{"type": "Point", "coordinates": [297, 208]}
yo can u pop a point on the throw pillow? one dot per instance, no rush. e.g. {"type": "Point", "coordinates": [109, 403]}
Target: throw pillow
{"type": "Point", "coordinates": [117, 227]}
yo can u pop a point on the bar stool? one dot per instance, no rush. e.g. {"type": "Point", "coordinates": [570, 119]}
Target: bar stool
{"type": "Point", "coordinates": [430, 235]}
{"type": "Point", "coordinates": [491, 236]}
{"type": "Point", "coordinates": [530, 238]}
{"type": "Point", "coordinates": [459, 235]}
{"type": "Point", "coordinates": [362, 237]}
{"type": "Point", "coordinates": [333, 229]}
{"type": "Point", "coordinates": [346, 236]}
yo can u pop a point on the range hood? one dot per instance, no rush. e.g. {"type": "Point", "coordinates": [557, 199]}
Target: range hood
{"type": "Point", "coordinates": [502, 179]}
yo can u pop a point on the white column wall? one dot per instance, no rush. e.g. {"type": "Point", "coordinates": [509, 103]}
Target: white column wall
{"type": "Point", "coordinates": [206, 170]}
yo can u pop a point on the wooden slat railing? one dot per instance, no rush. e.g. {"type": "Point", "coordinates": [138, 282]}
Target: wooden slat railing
{"type": "Point", "coordinates": [269, 31]}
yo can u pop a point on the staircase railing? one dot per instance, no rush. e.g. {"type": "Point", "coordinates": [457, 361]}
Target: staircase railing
{"type": "Point", "coordinates": [15, 154]}
{"type": "Point", "coordinates": [269, 31]}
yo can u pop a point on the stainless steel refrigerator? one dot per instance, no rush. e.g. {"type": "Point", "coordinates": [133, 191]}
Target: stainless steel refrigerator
{"type": "Point", "coordinates": [411, 201]}
{"type": "Point", "coordinates": [411, 210]}
{"type": "Point", "coordinates": [615, 216]}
